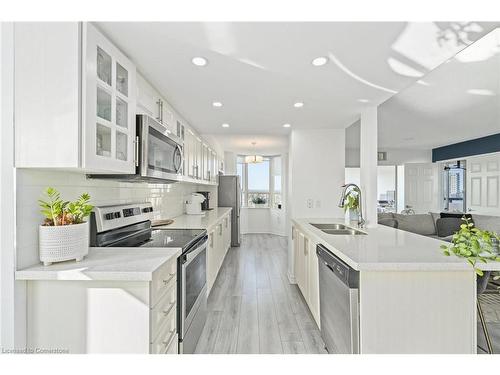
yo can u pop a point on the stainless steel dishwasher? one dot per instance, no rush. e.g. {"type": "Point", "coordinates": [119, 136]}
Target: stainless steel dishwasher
{"type": "Point", "coordinates": [339, 303]}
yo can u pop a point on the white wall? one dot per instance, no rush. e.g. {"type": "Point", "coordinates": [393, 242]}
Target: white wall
{"type": "Point", "coordinates": [230, 163]}
{"type": "Point", "coordinates": [12, 307]}
{"type": "Point", "coordinates": [395, 156]}
{"type": "Point", "coordinates": [316, 172]}
{"type": "Point", "coordinates": [167, 200]}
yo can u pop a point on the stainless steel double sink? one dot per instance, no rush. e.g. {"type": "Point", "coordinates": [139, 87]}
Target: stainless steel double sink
{"type": "Point", "coordinates": [337, 229]}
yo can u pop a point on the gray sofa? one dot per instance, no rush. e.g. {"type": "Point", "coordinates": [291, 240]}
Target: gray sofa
{"type": "Point", "coordinates": [432, 225]}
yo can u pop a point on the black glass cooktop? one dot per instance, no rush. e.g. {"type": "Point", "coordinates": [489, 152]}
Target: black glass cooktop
{"type": "Point", "coordinates": [173, 237]}
{"type": "Point", "coordinates": [182, 238]}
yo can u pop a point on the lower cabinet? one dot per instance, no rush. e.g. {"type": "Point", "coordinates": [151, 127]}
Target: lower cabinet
{"type": "Point", "coordinates": [306, 270]}
{"type": "Point", "coordinates": [91, 316]}
{"type": "Point", "coordinates": [219, 242]}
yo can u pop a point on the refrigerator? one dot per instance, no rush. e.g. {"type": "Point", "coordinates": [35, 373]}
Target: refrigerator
{"type": "Point", "coordinates": [230, 196]}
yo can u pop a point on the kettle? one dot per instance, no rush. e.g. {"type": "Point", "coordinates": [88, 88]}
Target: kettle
{"type": "Point", "coordinates": [193, 204]}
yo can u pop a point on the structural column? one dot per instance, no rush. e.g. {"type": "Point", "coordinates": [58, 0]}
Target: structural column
{"type": "Point", "coordinates": [368, 164]}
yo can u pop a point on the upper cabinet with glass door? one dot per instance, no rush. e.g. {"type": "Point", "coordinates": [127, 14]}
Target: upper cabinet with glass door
{"type": "Point", "coordinates": [74, 109]}
{"type": "Point", "coordinates": [110, 106]}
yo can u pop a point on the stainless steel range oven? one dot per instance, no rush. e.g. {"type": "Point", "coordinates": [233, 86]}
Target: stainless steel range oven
{"type": "Point", "coordinates": [130, 226]}
{"type": "Point", "coordinates": [192, 312]}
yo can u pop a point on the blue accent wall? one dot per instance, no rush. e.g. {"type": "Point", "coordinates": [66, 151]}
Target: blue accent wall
{"type": "Point", "coordinates": [478, 146]}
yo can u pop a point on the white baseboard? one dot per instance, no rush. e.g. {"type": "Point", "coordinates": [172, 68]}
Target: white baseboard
{"type": "Point", "coordinates": [291, 278]}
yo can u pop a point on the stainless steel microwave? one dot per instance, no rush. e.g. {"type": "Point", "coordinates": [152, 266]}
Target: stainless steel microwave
{"type": "Point", "coordinates": [158, 154]}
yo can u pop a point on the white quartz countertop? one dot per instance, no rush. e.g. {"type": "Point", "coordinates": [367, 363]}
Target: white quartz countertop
{"type": "Point", "coordinates": [386, 249]}
{"type": "Point", "coordinates": [205, 221]}
{"type": "Point", "coordinates": [105, 264]}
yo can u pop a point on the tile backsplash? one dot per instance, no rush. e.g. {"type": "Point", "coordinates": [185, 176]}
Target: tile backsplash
{"type": "Point", "coordinates": [167, 200]}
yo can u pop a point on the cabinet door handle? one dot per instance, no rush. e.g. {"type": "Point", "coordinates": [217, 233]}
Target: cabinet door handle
{"type": "Point", "coordinates": [165, 282]}
{"type": "Point", "coordinates": [171, 334]}
{"type": "Point", "coordinates": [136, 151]}
{"type": "Point", "coordinates": [160, 110]}
{"type": "Point", "coordinates": [170, 307]}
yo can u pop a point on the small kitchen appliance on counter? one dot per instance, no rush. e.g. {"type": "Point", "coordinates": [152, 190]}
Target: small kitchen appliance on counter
{"type": "Point", "coordinates": [193, 204]}
{"type": "Point", "coordinates": [129, 226]}
{"type": "Point", "coordinates": [205, 205]}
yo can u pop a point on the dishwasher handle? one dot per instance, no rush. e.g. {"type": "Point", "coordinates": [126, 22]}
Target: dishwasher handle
{"type": "Point", "coordinates": [342, 271]}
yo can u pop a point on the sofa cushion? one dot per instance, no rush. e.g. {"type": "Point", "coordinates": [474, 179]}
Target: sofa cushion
{"type": "Point", "coordinates": [448, 226]}
{"type": "Point", "coordinates": [435, 216]}
{"type": "Point", "coordinates": [421, 223]}
{"type": "Point", "coordinates": [486, 222]}
{"type": "Point", "coordinates": [393, 223]}
{"type": "Point", "coordinates": [385, 216]}
{"type": "Point", "coordinates": [456, 215]}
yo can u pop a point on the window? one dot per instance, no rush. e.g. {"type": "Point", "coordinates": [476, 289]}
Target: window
{"type": "Point", "coordinates": [260, 182]}
{"type": "Point", "coordinates": [276, 180]}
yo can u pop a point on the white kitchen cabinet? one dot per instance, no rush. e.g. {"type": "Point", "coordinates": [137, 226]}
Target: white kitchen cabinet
{"type": "Point", "coordinates": [205, 162]}
{"type": "Point", "coordinates": [214, 171]}
{"type": "Point", "coordinates": [211, 264]}
{"type": "Point", "coordinates": [219, 242]}
{"type": "Point", "coordinates": [313, 281]}
{"type": "Point", "coordinates": [306, 270]}
{"type": "Point", "coordinates": [227, 232]}
{"type": "Point", "coordinates": [93, 316]}
{"type": "Point", "coordinates": [198, 157]}
{"type": "Point", "coordinates": [301, 264]}
{"type": "Point", "coordinates": [75, 95]}
{"type": "Point", "coordinates": [150, 102]}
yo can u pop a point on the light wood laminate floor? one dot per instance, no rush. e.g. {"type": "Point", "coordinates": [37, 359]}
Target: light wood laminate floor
{"type": "Point", "coordinates": [252, 307]}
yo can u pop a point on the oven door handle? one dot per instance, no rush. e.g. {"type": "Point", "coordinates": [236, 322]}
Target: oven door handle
{"type": "Point", "coordinates": [195, 250]}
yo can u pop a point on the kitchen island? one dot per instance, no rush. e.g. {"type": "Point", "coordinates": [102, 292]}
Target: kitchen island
{"type": "Point", "coordinates": [412, 298]}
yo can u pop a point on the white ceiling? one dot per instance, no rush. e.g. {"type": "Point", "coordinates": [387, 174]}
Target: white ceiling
{"type": "Point", "coordinates": [460, 100]}
{"type": "Point", "coordinates": [258, 70]}
{"type": "Point", "coordinates": [267, 144]}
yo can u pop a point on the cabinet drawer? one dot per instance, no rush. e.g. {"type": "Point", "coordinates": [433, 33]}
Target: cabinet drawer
{"type": "Point", "coordinates": [163, 279]}
{"type": "Point", "coordinates": [168, 332]}
{"type": "Point", "coordinates": [173, 348]}
{"type": "Point", "coordinates": [165, 309]}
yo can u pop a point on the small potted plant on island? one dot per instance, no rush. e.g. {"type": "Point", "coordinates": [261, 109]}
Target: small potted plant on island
{"type": "Point", "coordinates": [351, 206]}
{"type": "Point", "coordinates": [64, 234]}
{"type": "Point", "coordinates": [259, 201]}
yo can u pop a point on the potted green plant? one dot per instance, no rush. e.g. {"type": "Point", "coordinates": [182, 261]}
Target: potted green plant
{"type": "Point", "coordinates": [473, 244]}
{"type": "Point", "coordinates": [64, 234]}
{"type": "Point", "coordinates": [351, 205]}
{"type": "Point", "coordinates": [259, 201]}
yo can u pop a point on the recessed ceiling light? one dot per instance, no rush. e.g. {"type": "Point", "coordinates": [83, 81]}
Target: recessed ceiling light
{"type": "Point", "coordinates": [423, 83]}
{"type": "Point", "coordinates": [225, 125]}
{"type": "Point", "coordinates": [319, 61]}
{"type": "Point", "coordinates": [217, 104]}
{"type": "Point", "coordinates": [482, 92]}
{"type": "Point", "coordinates": [363, 100]}
{"type": "Point", "coordinates": [286, 125]}
{"type": "Point", "coordinates": [298, 105]}
{"type": "Point", "coordinates": [199, 61]}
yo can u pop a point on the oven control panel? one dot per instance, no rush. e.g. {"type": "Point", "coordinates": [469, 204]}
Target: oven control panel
{"type": "Point", "coordinates": [111, 217]}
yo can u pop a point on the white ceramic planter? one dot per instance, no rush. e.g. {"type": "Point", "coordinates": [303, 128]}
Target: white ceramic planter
{"type": "Point", "coordinates": [64, 242]}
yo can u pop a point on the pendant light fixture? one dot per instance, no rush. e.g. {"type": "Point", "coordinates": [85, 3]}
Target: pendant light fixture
{"type": "Point", "coordinates": [254, 159]}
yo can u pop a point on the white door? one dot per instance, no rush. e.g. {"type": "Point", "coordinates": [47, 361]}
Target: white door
{"type": "Point", "coordinates": [422, 187]}
{"type": "Point", "coordinates": [483, 184]}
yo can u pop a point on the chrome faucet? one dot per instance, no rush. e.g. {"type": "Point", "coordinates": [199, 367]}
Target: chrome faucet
{"type": "Point", "coordinates": [361, 221]}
